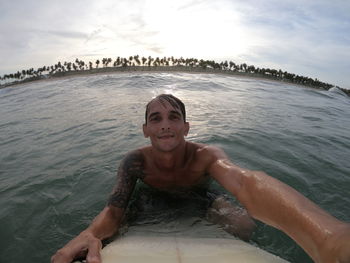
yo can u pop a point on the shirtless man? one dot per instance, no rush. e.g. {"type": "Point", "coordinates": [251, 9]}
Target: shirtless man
{"type": "Point", "coordinates": [173, 164]}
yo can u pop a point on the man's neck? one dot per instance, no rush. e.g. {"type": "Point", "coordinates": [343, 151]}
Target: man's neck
{"type": "Point", "coordinates": [170, 160]}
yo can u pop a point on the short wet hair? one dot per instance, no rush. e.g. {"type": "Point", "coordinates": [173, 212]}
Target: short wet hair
{"type": "Point", "coordinates": [172, 100]}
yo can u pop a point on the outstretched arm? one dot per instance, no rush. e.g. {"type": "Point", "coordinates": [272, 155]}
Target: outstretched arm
{"type": "Point", "coordinates": [325, 238]}
{"type": "Point", "coordinates": [108, 221]}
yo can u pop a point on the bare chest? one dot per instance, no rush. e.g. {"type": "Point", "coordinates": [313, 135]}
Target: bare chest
{"type": "Point", "coordinates": [184, 178]}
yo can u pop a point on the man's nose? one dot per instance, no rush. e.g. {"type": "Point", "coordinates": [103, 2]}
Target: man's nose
{"type": "Point", "coordinates": [165, 125]}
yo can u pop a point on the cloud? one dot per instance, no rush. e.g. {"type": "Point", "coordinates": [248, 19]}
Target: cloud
{"type": "Point", "coordinates": [301, 37]}
{"type": "Point", "coordinates": [67, 34]}
{"type": "Point", "coordinates": [191, 4]}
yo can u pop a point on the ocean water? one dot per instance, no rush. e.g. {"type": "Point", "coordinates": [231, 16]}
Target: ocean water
{"type": "Point", "coordinates": [61, 141]}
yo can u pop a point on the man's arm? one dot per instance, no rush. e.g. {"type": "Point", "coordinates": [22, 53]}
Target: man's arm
{"type": "Point", "coordinates": [325, 238]}
{"type": "Point", "coordinates": [108, 221]}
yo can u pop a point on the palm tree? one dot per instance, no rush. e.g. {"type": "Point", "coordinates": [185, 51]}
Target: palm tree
{"type": "Point", "coordinates": [23, 73]}
{"type": "Point", "coordinates": [150, 61]}
{"type": "Point", "coordinates": [109, 60]}
{"type": "Point", "coordinates": [136, 58]}
{"type": "Point", "coordinates": [131, 61]}
{"type": "Point", "coordinates": [119, 62]}
{"type": "Point", "coordinates": [144, 60]}
{"type": "Point", "coordinates": [125, 62]}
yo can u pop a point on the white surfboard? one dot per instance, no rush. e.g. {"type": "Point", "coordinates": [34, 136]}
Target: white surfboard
{"type": "Point", "coordinates": [153, 247]}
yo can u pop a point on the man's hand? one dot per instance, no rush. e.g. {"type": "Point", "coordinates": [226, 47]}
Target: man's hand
{"type": "Point", "coordinates": [336, 247]}
{"type": "Point", "coordinates": [234, 220]}
{"type": "Point", "coordinates": [84, 244]}
{"type": "Point", "coordinates": [88, 243]}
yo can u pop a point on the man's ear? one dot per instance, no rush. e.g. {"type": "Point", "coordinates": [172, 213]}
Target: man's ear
{"type": "Point", "coordinates": [187, 128]}
{"type": "Point", "coordinates": [144, 128]}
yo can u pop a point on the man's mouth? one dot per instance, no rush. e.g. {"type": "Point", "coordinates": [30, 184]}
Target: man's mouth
{"type": "Point", "coordinates": [165, 136]}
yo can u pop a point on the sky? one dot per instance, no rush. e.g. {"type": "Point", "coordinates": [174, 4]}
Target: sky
{"type": "Point", "coordinates": [305, 37]}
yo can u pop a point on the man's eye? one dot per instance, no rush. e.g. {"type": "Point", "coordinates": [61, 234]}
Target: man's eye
{"type": "Point", "coordinates": [155, 119]}
{"type": "Point", "coordinates": [174, 117]}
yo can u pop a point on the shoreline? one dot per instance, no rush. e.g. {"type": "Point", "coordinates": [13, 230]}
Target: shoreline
{"type": "Point", "coordinates": [158, 69]}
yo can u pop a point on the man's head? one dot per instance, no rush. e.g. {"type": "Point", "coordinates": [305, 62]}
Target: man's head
{"type": "Point", "coordinates": [166, 124]}
{"type": "Point", "coordinates": [172, 100]}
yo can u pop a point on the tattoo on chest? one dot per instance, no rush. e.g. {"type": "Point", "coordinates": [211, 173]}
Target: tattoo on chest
{"type": "Point", "coordinates": [129, 171]}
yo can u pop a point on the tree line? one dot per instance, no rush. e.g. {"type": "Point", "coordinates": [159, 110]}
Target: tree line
{"type": "Point", "coordinates": [137, 61]}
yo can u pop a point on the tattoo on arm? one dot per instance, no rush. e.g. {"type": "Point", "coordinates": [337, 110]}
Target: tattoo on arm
{"type": "Point", "coordinates": [129, 171]}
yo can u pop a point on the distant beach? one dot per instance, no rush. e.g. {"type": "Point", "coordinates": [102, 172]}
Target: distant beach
{"type": "Point", "coordinates": [136, 64]}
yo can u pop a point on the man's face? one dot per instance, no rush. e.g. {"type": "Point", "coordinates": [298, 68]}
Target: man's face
{"type": "Point", "coordinates": [165, 126]}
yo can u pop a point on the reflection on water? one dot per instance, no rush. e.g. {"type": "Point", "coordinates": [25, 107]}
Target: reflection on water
{"type": "Point", "coordinates": [62, 140]}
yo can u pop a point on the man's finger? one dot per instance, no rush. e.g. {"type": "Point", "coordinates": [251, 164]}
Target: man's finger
{"type": "Point", "coordinates": [94, 255]}
{"type": "Point", "coordinates": [61, 256]}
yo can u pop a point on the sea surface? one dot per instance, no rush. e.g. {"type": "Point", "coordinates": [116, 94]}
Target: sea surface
{"type": "Point", "coordinates": [61, 141]}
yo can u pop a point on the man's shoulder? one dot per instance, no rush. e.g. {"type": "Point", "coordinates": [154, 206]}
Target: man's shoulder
{"type": "Point", "coordinates": [207, 154]}
{"type": "Point", "coordinates": [141, 153]}
{"type": "Point", "coordinates": [136, 153]}
{"type": "Point", "coordinates": [144, 150]}
{"type": "Point", "coordinates": [134, 157]}
{"type": "Point", "coordinates": [205, 149]}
